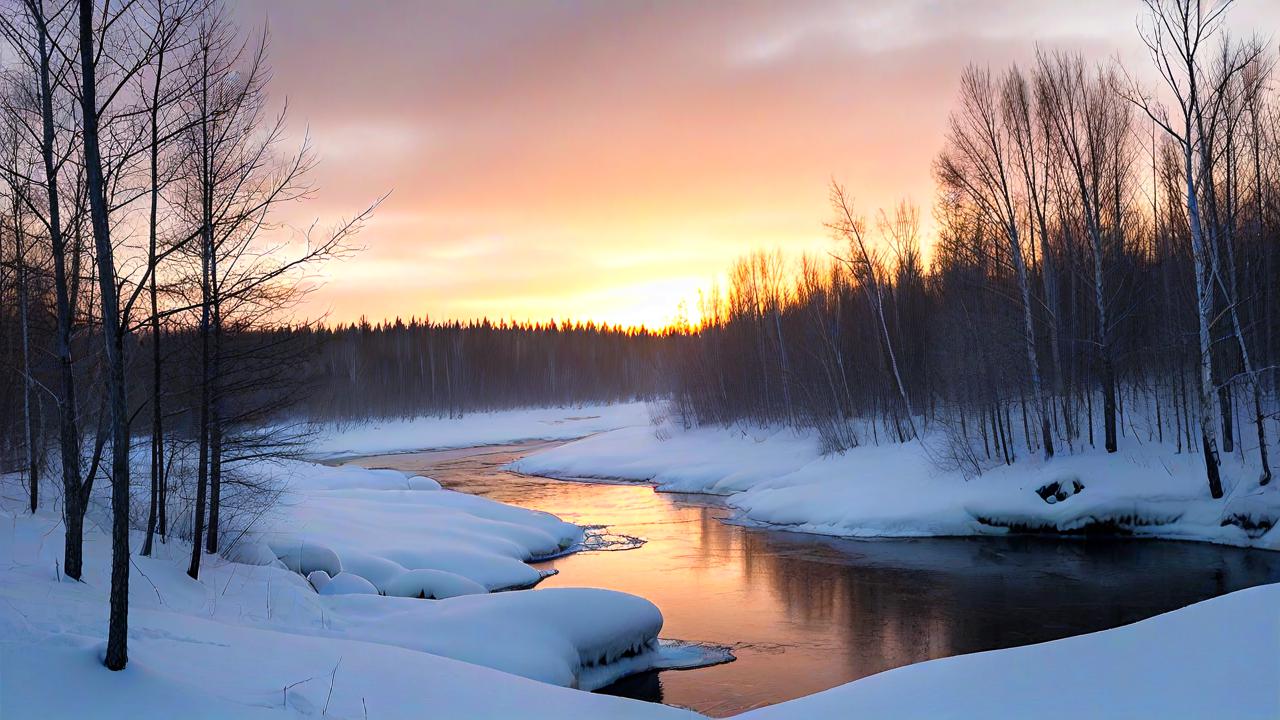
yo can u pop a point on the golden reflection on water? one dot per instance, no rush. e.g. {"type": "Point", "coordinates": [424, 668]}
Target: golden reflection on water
{"type": "Point", "coordinates": [806, 613]}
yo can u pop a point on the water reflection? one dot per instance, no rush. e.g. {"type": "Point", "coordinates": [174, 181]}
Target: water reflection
{"type": "Point", "coordinates": [806, 612]}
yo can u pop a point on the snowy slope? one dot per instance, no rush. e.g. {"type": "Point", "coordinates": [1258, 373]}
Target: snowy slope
{"type": "Point", "coordinates": [1216, 659]}
{"type": "Point", "coordinates": [779, 478]}
{"type": "Point", "coordinates": [222, 661]}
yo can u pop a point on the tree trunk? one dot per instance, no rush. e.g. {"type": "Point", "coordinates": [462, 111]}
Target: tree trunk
{"type": "Point", "coordinates": [28, 381]}
{"type": "Point", "coordinates": [1204, 313]}
{"type": "Point", "coordinates": [157, 414]}
{"type": "Point", "coordinates": [68, 431]}
{"type": "Point", "coordinates": [118, 630]}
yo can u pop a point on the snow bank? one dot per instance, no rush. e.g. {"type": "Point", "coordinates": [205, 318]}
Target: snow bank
{"type": "Point", "coordinates": [438, 433]}
{"type": "Point", "coordinates": [381, 524]}
{"type": "Point", "coordinates": [432, 584]}
{"type": "Point", "coordinates": [779, 478]}
{"type": "Point", "coordinates": [553, 635]}
{"type": "Point", "coordinates": [258, 641]}
{"type": "Point", "coordinates": [1217, 658]}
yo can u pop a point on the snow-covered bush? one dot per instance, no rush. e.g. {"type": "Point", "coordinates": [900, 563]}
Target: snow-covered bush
{"type": "Point", "coordinates": [304, 558]}
{"type": "Point", "coordinates": [348, 584]}
{"type": "Point", "coordinates": [318, 579]}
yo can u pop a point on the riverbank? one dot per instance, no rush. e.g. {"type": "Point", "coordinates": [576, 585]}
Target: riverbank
{"type": "Point", "coordinates": [261, 641]}
{"type": "Point", "coordinates": [779, 478]}
{"type": "Point", "coordinates": [329, 603]}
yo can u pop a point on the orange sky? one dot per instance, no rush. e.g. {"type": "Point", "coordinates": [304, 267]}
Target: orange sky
{"type": "Point", "coordinates": [606, 159]}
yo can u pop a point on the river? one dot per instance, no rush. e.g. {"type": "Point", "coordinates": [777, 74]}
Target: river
{"type": "Point", "coordinates": [805, 613]}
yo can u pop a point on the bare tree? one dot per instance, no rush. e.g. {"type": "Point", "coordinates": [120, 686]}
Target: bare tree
{"type": "Point", "coordinates": [1089, 128]}
{"type": "Point", "coordinates": [1175, 34]}
{"type": "Point", "coordinates": [977, 163]}
{"type": "Point", "coordinates": [866, 269]}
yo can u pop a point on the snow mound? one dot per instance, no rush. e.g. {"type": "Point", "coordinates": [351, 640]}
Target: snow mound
{"type": "Point", "coordinates": [371, 523]}
{"type": "Point", "coordinates": [348, 584]}
{"type": "Point", "coordinates": [377, 570]}
{"type": "Point", "coordinates": [318, 579]}
{"type": "Point", "coordinates": [305, 558]}
{"type": "Point", "coordinates": [431, 584]}
{"type": "Point", "coordinates": [574, 637]}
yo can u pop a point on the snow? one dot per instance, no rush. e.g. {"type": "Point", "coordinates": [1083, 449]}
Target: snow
{"type": "Point", "coordinates": [1217, 658]}
{"type": "Point", "coordinates": [251, 641]}
{"type": "Point", "coordinates": [255, 641]}
{"type": "Point", "coordinates": [435, 584]}
{"type": "Point", "coordinates": [369, 523]}
{"type": "Point", "coordinates": [492, 428]}
{"type": "Point", "coordinates": [326, 619]}
{"type": "Point", "coordinates": [346, 584]}
{"type": "Point", "coordinates": [780, 478]}
{"type": "Point", "coordinates": [315, 623]}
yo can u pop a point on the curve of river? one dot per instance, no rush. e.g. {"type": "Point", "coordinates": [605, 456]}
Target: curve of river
{"type": "Point", "coordinates": [805, 613]}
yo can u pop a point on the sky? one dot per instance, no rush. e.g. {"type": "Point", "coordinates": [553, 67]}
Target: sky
{"type": "Point", "coordinates": [605, 160]}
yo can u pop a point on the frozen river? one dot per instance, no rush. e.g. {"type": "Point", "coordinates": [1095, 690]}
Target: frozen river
{"type": "Point", "coordinates": [805, 613]}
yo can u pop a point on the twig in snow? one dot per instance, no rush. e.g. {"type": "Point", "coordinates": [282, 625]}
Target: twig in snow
{"type": "Point", "coordinates": [332, 677]}
{"type": "Point", "coordinates": [229, 578]}
{"type": "Point", "coordinates": [285, 702]}
{"type": "Point", "coordinates": [144, 575]}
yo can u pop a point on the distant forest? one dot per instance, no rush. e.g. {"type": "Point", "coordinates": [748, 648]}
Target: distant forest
{"type": "Point", "coordinates": [408, 369]}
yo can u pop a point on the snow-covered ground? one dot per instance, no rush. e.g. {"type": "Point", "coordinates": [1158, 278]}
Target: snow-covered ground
{"type": "Point", "coordinates": [482, 428]}
{"type": "Point", "coordinates": [252, 641]}
{"type": "Point", "coordinates": [321, 604]}
{"type": "Point", "coordinates": [325, 619]}
{"type": "Point", "coordinates": [779, 478]}
{"type": "Point", "coordinates": [249, 641]}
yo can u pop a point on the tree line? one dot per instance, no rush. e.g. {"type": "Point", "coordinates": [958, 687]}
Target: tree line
{"type": "Point", "coordinates": [398, 369]}
{"type": "Point", "coordinates": [1105, 271]}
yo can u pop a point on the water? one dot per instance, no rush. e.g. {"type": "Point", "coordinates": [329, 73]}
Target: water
{"type": "Point", "coordinates": [806, 613]}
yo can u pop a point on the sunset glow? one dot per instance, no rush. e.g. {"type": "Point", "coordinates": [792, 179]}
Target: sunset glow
{"type": "Point", "coordinates": [606, 161]}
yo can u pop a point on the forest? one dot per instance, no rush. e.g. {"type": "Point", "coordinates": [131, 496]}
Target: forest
{"type": "Point", "coordinates": [1102, 270]}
